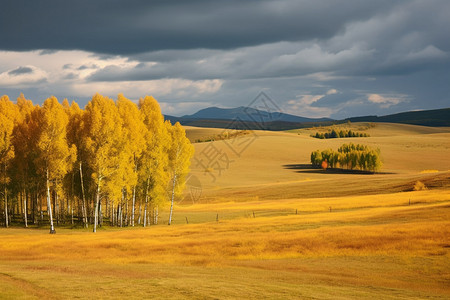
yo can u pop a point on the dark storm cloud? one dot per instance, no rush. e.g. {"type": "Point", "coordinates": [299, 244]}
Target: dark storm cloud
{"type": "Point", "coordinates": [137, 26]}
{"type": "Point", "coordinates": [393, 40]}
{"type": "Point", "coordinates": [20, 71]}
{"type": "Point", "coordinates": [379, 57]}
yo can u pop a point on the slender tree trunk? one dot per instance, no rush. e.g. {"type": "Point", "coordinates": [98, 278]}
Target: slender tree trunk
{"type": "Point", "coordinates": [56, 205]}
{"type": "Point", "coordinates": [6, 207]}
{"type": "Point", "coordinates": [20, 204]}
{"type": "Point", "coordinates": [100, 212]}
{"type": "Point", "coordinates": [49, 207]}
{"type": "Point", "coordinates": [116, 215]}
{"type": "Point", "coordinates": [156, 215]}
{"type": "Point", "coordinates": [140, 209]}
{"type": "Point", "coordinates": [6, 199]}
{"type": "Point", "coordinates": [146, 202]}
{"type": "Point", "coordinates": [97, 202]}
{"type": "Point", "coordinates": [133, 206]}
{"type": "Point", "coordinates": [72, 200]}
{"type": "Point", "coordinates": [126, 211]}
{"type": "Point", "coordinates": [33, 200]}
{"type": "Point", "coordinates": [111, 211]}
{"type": "Point", "coordinates": [120, 215]}
{"type": "Point", "coordinates": [121, 209]}
{"type": "Point", "coordinates": [41, 210]}
{"type": "Point", "coordinates": [173, 196]}
{"type": "Point", "coordinates": [107, 209]}
{"type": "Point", "coordinates": [25, 213]}
{"type": "Point", "coordinates": [83, 207]}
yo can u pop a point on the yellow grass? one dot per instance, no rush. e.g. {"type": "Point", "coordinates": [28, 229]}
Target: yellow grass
{"type": "Point", "coordinates": [360, 230]}
{"type": "Point", "coordinates": [263, 230]}
{"type": "Point", "coordinates": [429, 171]}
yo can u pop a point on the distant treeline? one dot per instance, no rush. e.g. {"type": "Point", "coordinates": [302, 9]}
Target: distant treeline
{"type": "Point", "coordinates": [333, 134]}
{"type": "Point", "coordinates": [349, 156]}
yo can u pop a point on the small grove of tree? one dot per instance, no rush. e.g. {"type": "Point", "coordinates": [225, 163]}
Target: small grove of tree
{"type": "Point", "coordinates": [349, 156]}
{"type": "Point", "coordinates": [333, 134]}
{"type": "Point", "coordinates": [111, 161]}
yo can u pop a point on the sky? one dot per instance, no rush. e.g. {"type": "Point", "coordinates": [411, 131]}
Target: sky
{"type": "Point", "coordinates": [325, 58]}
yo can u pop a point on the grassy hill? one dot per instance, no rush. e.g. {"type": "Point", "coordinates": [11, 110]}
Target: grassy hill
{"type": "Point", "coordinates": [265, 166]}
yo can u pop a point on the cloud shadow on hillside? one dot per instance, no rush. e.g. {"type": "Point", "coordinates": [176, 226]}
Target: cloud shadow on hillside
{"type": "Point", "coordinates": [309, 168]}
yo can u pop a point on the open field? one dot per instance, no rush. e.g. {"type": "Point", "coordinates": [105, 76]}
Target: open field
{"type": "Point", "coordinates": [369, 247]}
{"type": "Point", "coordinates": [266, 226]}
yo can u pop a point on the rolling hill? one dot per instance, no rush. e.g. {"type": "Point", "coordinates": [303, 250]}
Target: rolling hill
{"type": "Point", "coordinates": [250, 118]}
{"type": "Point", "coordinates": [435, 117]}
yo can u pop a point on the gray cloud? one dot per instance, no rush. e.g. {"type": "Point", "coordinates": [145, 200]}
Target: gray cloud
{"type": "Point", "coordinates": [138, 26]}
{"type": "Point", "coordinates": [396, 51]}
{"type": "Point", "coordinates": [20, 71]}
{"type": "Point", "coordinates": [47, 52]}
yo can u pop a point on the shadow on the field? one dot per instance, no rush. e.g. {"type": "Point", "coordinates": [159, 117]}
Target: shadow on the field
{"type": "Point", "coordinates": [309, 168]}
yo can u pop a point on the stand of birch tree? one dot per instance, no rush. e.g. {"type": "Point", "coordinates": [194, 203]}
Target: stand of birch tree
{"type": "Point", "coordinates": [113, 162]}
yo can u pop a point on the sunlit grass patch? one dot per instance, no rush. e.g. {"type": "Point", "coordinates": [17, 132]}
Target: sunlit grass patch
{"type": "Point", "coordinates": [428, 171]}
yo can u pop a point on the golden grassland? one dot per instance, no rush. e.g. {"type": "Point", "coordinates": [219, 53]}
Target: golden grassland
{"type": "Point", "coordinates": [266, 227]}
{"type": "Point", "coordinates": [369, 247]}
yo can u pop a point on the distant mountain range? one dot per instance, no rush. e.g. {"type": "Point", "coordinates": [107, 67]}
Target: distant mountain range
{"type": "Point", "coordinates": [249, 114]}
{"type": "Point", "coordinates": [251, 118]}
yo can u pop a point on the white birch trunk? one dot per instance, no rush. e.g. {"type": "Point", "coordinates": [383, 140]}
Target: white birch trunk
{"type": "Point", "coordinates": [173, 196]}
{"type": "Point", "coordinates": [120, 215]}
{"type": "Point", "coordinates": [140, 210]}
{"type": "Point", "coordinates": [126, 212]}
{"type": "Point", "coordinates": [83, 206]}
{"type": "Point", "coordinates": [156, 215]}
{"type": "Point", "coordinates": [49, 207]}
{"type": "Point", "coordinates": [133, 206]}
{"type": "Point", "coordinates": [97, 202]}
{"type": "Point", "coordinates": [146, 201]}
